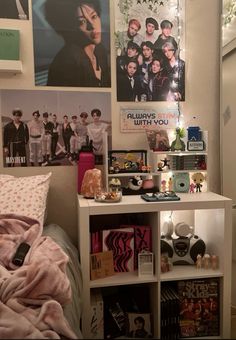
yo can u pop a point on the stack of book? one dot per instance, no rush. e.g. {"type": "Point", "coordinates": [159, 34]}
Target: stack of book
{"type": "Point", "coordinates": [125, 242]}
{"type": "Point", "coordinates": [169, 314]}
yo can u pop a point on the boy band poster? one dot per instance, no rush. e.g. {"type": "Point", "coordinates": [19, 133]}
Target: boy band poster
{"type": "Point", "coordinates": [149, 46]}
{"type": "Point", "coordinates": [71, 43]}
{"type": "Point", "coordinates": [49, 128]}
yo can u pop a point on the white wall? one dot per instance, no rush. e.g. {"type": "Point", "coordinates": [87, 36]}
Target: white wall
{"type": "Point", "coordinates": [228, 137]}
{"type": "Point", "coordinates": [202, 100]}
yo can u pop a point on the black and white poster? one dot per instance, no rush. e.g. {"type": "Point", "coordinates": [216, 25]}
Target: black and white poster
{"type": "Point", "coordinates": [149, 45]}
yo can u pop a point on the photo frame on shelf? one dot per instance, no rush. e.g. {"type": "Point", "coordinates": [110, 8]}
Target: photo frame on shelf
{"type": "Point", "coordinates": [158, 139]}
{"type": "Point", "coordinates": [139, 325]}
{"type": "Point", "coordinates": [127, 161]}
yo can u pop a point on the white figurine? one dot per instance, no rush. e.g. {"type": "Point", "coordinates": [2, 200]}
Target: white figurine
{"type": "Point", "coordinates": [170, 184]}
{"type": "Point", "coordinates": [206, 262]}
{"type": "Point", "coordinates": [199, 261]}
{"type": "Point", "coordinates": [214, 262]}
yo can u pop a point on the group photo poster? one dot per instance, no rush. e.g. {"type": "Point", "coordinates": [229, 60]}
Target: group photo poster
{"type": "Point", "coordinates": [150, 50]}
{"type": "Point", "coordinates": [71, 43]}
{"type": "Point", "coordinates": [49, 128]}
{"type": "Point", "coordinates": [14, 9]}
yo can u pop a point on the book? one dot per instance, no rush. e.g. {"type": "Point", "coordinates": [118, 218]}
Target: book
{"type": "Point", "coordinates": [121, 243]}
{"type": "Point", "coordinates": [142, 240]}
{"type": "Point", "coordinates": [96, 315]}
{"type": "Point", "coordinates": [101, 265]}
{"type": "Point", "coordinates": [10, 44]}
{"type": "Point", "coordinates": [96, 242]}
{"type": "Point", "coordinates": [199, 307]}
{"type": "Point", "coordinates": [169, 313]}
{"type": "Point", "coordinates": [115, 324]}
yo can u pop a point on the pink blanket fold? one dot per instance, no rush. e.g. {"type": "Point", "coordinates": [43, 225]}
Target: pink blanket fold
{"type": "Point", "coordinates": [32, 296]}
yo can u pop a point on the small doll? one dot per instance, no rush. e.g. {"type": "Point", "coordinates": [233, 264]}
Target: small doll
{"type": "Point", "coordinates": [159, 166]}
{"type": "Point", "coordinates": [199, 261]}
{"type": "Point", "coordinates": [163, 185]}
{"type": "Point", "coordinates": [170, 184]}
{"type": "Point", "coordinates": [214, 262]}
{"type": "Point", "coordinates": [206, 261]}
{"type": "Point", "coordinates": [191, 188]}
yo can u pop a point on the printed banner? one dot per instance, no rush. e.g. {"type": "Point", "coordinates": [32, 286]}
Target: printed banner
{"type": "Point", "coordinates": [133, 120]}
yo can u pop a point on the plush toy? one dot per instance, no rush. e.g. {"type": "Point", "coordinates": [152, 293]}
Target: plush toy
{"type": "Point", "coordinates": [135, 183]}
{"type": "Point", "coordinates": [114, 184]}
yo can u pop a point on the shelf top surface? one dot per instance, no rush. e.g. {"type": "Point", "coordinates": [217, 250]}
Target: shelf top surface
{"type": "Point", "coordinates": [134, 203]}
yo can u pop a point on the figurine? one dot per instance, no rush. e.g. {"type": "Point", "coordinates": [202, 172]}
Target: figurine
{"type": "Point", "coordinates": [199, 261]}
{"type": "Point", "coordinates": [135, 183]}
{"type": "Point", "coordinates": [116, 167]}
{"type": "Point", "coordinates": [206, 261]}
{"type": "Point", "coordinates": [159, 166]}
{"type": "Point", "coordinates": [191, 188]}
{"type": "Point", "coordinates": [178, 144]}
{"type": "Point", "coordinates": [214, 262]}
{"type": "Point", "coordinates": [198, 178]}
{"type": "Point", "coordinates": [170, 184]}
{"type": "Point", "coordinates": [114, 184]}
{"type": "Point", "coordinates": [165, 163]}
{"type": "Point", "coordinates": [163, 185]}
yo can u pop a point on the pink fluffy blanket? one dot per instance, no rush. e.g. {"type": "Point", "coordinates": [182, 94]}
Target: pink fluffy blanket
{"type": "Point", "coordinates": [32, 296]}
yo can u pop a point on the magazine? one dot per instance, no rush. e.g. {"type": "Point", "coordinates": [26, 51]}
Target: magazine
{"type": "Point", "coordinates": [199, 307]}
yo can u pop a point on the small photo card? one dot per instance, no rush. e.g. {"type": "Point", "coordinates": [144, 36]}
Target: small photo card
{"type": "Point", "coordinates": [139, 325]}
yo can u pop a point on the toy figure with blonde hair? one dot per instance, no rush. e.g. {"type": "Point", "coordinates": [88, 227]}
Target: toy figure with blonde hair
{"type": "Point", "coordinates": [198, 179]}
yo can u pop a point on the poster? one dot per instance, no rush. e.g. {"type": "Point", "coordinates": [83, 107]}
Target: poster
{"type": "Point", "coordinates": [48, 128]}
{"type": "Point", "coordinates": [71, 43]}
{"type": "Point", "coordinates": [14, 9]}
{"type": "Point", "coordinates": [133, 120]}
{"type": "Point", "coordinates": [149, 47]}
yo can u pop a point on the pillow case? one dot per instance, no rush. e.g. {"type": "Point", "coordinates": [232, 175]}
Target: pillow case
{"type": "Point", "coordinates": [25, 196]}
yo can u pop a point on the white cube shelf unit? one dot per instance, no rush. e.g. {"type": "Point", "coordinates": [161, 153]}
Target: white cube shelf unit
{"type": "Point", "coordinates": [212, 220]}
{"type": "Point", "coordinates": [179, 162]}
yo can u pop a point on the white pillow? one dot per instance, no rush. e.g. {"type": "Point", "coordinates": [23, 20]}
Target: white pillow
{"type": "Point", "coordinates": [25, 196]}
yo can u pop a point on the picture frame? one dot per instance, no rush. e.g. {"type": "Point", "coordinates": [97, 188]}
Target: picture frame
{"type": "Point", "coordinates": [139, 325]}
{"type": "Point", "coordinates": [158, 139]}
{"type": "Point", "coordinates": [127, 161]}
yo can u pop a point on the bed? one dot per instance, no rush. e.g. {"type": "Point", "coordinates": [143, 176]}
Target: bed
{"type": "Point", "coordinates": [40, 297]}
{"type": "Point", "coordinates": [72, 311]}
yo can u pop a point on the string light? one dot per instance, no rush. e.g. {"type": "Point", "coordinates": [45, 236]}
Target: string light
{"type": "Point", "coordinates": [178, 45]}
